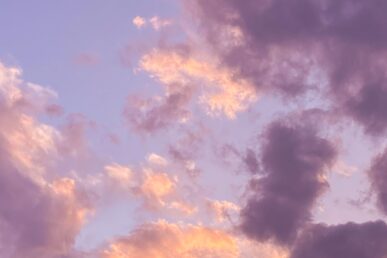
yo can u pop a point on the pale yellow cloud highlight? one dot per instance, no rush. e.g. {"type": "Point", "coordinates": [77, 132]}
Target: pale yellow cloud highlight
{"type": "Point", "coordinates": [222, 92]}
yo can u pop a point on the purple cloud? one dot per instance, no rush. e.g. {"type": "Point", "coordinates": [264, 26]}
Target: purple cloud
{"type": "Point", "coordinates": [299, 45]}
{"type": "Point", "coordinates": [150, 115]}
{"type": "Point", "coordinates": [293, 159]}
{"type": "Point", "coordinates": [368, 240]}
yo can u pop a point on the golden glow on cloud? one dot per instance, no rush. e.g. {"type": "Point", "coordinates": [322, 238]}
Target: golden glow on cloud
{"type": "Point", "coordinates": [166, 240]}
{"type": "Point", "coordinates": [220, 91]}
{"type": "Point", "coordinates": [156, 187]}
{"type": "Point", "coordinates": [139, 22]}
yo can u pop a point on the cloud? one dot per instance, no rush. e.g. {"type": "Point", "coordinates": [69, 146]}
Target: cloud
{"type": "Point", "coordinates": [73, 136]}
{"type": "Point", "coordinates": [120, 176]}
{"type": "Point", "coordinates": [159, 23]}
{"type": "Point", "coordinates": [158, 191]}
{"type": "Point", "coordinates": [156, 187]}
{"type": "Point", "coordinates": [162, 239]}
{"type": "Point", "coordinates": [294, 159]}
{"type": "Point", "coordinates": [368, 240]}
{"type": "Point", "coordinates": [157, 160]}
{"type": "Point", "coordinates": [156, 22]}
{"type": "Point", "coordinates": [28, 143]}
{"type": "Point", "coordinates": [186, 80]}
{"type": "Point", "coordinates": [221, 92]}
{"type": "Point", "coordinates": [378, 177]}
{"type": "Point", "coordinates": [153, 114]}
{"type": "Point", "coordinates": [344, 169]}
{"type": "Point", "coordinates": [139, 22]}
{"type": "Point", "coordinates": [38, 221]}
{"type": "Point", "coordinates": [292, 47]}
{"type": "Point", "coordinates": [41, 212]}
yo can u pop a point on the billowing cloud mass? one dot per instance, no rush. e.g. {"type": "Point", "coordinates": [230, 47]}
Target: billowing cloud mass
{"type": "Point", "coordinates": [368, 240]}
{"type": "Point", "coordinates": [299, 45]}
{"type": "Point", "coordinates": [294, 159]}
{"type": "Point", "coordinates": [40, 214]}
{"type": "Point", "coordinates": [194, 129]}
{"type": "Point", "coordinates": [164, 240]}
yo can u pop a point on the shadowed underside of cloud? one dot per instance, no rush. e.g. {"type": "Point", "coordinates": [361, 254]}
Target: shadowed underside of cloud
{"type": "Point", "coordinates": [378, 177]}
{"type": "Point", "coordinates": [298, 45]}
{"type": "Point", "coordinates": [368, 240]}
{"type": "Point", "coordinates": [294, 159]}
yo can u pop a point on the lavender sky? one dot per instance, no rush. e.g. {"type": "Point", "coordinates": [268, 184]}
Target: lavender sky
{"type": "Point", "coordinates": [193, 129]}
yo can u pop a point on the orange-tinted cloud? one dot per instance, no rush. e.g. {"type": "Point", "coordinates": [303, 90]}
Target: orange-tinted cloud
{"type": "Point", "coordinates": [165, 240]}
{"type": "Point", "coordinates": [41, 212]}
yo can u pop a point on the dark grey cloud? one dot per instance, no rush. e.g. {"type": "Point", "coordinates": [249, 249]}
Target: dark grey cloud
{"type": "Point", "coordinates": [294, 159]}
{"type": "Point", "coordinates": [368, 240]}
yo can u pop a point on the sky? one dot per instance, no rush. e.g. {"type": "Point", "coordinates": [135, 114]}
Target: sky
{"type": "Point", "coordinates": [193, 129]}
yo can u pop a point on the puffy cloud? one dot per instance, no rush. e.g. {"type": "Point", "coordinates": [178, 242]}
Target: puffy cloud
{"type": "Point", "coordinates": [368, 240]}
{"type": "Point", "coordinates": [222, 93]}
{"type": "Point", "coordinates": [344, 169]}
{"type": "Point", "coordinates": [40, 213]}
{"type": "Point", "coordinates": [120, 176]}
{"type": "Point", "coordinates": [38, 221]}
{"type": "Point", "coordinates": [156, 22]}
{"type": "Point", "coordinates": [185, 78]}
{"type": "Point", "coordinates": [295, 46]}
{"type": "Point", "coordinates": [156, 187]}
{"type": "Point", "coordinates": [162, 239]}
{"type": "Point", "coordinates": [294, 159]}
{"type": "Point", "coordinates": [139, 22]}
